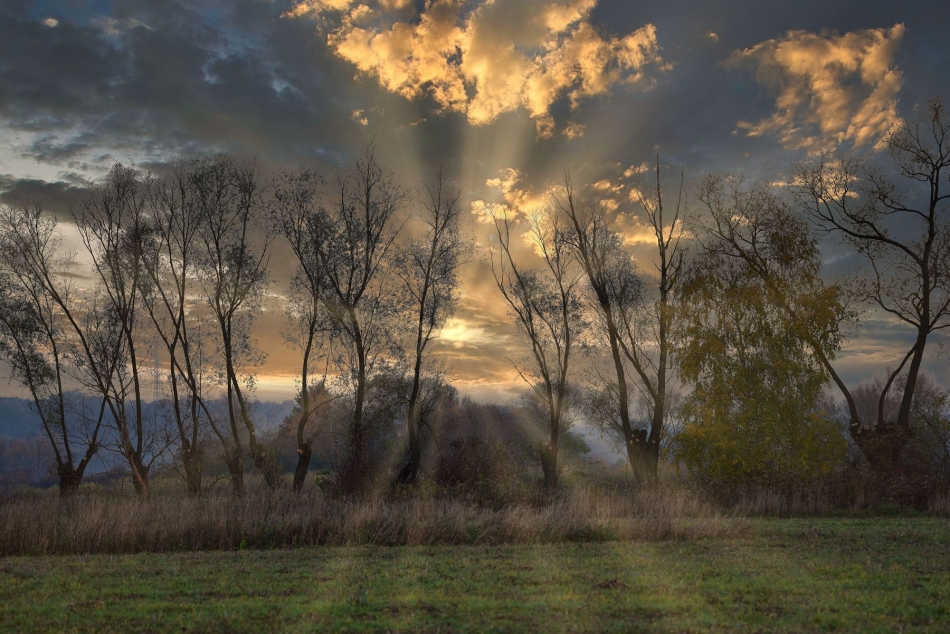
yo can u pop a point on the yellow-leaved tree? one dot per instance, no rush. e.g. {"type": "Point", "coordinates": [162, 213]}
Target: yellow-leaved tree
{"type": "Point", "coordinates": [751, 309]}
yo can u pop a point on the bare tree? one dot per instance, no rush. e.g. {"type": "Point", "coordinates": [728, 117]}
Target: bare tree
{"type": "Point", "coordinates": [170, 258]}
{"type": "Point", "coordinates": [358, 294]}
{"type": "Point", "coordinates": [111, 224]}
{"type": "Point", "coordinates": [646, 337]}
{"type": "Point", "coordinates": [428, 268]}
{"type": "Point", "coordinates": [904, 238]}
{"type": "Point", "coordinates": [34, 342]}
{"type": "Point", "coordinates": [232, 269]}
{"type": "Point", "coordinates": [304, 223]}
{"type": "Point", "coordinates": [617, 291]}
{"type": "Point", "coordinates": [548, 312]}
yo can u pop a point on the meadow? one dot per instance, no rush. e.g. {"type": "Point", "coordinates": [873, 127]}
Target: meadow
{"type": "Point", "coordinates": [666, 559]}
{"type": "Point", "coordinates": [884, 574]}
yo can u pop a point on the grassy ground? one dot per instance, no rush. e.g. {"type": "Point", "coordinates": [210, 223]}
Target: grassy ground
{"type": "Point", "coordinates": [855, 575]}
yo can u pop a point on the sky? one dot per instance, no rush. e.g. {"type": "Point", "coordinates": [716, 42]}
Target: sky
{"type": "Point", "coordinates": [505, 94]}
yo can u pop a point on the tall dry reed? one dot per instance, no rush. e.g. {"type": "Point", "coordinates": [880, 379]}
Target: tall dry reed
{"type": "Point", "coordinates": [112, 524]}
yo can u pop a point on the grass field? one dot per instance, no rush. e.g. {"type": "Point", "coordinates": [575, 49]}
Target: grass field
{"type": "Point", "coordinates": [887, 575]}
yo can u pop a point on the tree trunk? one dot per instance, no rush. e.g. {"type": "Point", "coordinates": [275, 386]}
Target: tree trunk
{"type": "Point", "coordinates": [139, 475]}
{"type": "Point", "coordinates": [409, 472]}
{"type": "Point", "coordinates": [643, 456]}
{"type": "Point", "coordinates": [882, 446]}
{"type": "Point", "coordinates": [267, 465]}
{"type": "Point", "coordinates": [549, 466]}
{"type": "Point", "coordinates": [192, 463]}
{"type": "Point", "coordinates": [69, 480]}
{"type": "Point", "coordinates": [235, 462]}
{"type": "Point", "coordinates": [304, 453]}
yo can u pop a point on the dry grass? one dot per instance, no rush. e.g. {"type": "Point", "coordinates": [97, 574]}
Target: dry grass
{"type": "Point", "coordinates": [940, 505]}
{"type": "Point", "coordinates": [112, 524]}
{"type": "Point", "coordinates": [761, 502]}
{"type": "Point", "coordinates": [818, 501]}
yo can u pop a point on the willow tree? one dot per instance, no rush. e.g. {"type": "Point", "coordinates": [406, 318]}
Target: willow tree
{"type": "Point", "coordinates": [304, 223]}
{"type": "Point", "coordinates": [35, 337]}
{"type": "Point", "coordinates": [170, 296]}
{"type": "Point", "coordinates": [112, 223]}
{"type": "Point", "coordinates": [428, 268]}
{"type": "Point", "coordinates": [755, 323]}
{"type": "Point", "coordinates": [232, 259]}
{"type": "Point", "coordinates": [646, 340]}
{"type": "Point", "coordinates": [903, 236]}
{"type": "Point", "coordinates": [360, 294]}
{"type": "Point", "coordinates": [548, 311]}
{"type": "Point", "coordinates": [617, 297]}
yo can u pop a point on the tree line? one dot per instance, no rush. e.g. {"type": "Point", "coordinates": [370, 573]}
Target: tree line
{"type": "Point", "coordinates": [719, 359]}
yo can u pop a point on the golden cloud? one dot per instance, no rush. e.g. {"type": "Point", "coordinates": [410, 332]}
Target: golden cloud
{"type": "Point", "coordinates": [633, 170]}
{"type": "Point", "coordinates": [497, 57]}
{"type": "Point", "coordinates": [830, 88]}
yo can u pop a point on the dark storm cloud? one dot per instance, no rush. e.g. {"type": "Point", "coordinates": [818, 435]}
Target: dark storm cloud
{"type": "Point", "coordinates": [168, 78]}
{"type": "Point", "coordinates": [54, 197]}
{"type": "Point", "coordinates": [162, 78]}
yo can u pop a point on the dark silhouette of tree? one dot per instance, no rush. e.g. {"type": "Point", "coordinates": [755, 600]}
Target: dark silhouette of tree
{"type": "Point", "coordinates": [232, 268]}
{"type": "Point", "coordinates": [646, 332]}
{"type": "Point", "coordinates": [111, 224]}
{"type": "Point", "coordinates": [33, 339]}
{"type": "Point", "coordinates": [304, 223]}
{"type": "Point", "coordinates": [617, 296]}
{"type": "Point", "coordinates": [548, 312]}
{"type": "Point", "coordinates": [359, 296]}
{"type": "Point", "coordinates": [904, 238]}
{"type": "Point", "coordinates": [428, 269]}
{"type": "Point", "coordinates": [170, 258]}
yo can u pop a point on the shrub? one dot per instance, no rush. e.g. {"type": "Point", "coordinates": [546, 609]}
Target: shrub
{"type": "Point", "coordinates": [480, 470]}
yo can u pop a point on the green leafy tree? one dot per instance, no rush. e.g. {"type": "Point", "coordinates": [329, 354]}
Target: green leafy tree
{"type": "Point", "coordinates": [754, 325]}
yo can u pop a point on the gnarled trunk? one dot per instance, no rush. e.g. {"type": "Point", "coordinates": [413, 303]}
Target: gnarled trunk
{"type": "Point", "coordinates": [267, 465]}
{"type": "Point", "coordinates": [882, 445]}
{"type": "Point", "coordinates": [235, 462]}
{"type": "Point", "coordinates": [644, 455]}
{"type": "Point", "coordinates": [69, 480]}
{"type": "Point", "coordinates": [304, 454]}
{"type": "Point", "coordinates": [192, 459]}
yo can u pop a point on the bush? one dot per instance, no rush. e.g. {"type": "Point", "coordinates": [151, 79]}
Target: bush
{"type": "Point", "coordinates": [479, 470]}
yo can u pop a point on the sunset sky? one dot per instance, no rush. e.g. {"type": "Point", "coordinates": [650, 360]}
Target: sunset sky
{"type": "Point", "coordinates": [507, 94]}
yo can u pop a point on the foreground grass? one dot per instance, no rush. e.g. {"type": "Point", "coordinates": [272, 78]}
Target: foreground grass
{"type": "Point", "coordinates": [850, 575]}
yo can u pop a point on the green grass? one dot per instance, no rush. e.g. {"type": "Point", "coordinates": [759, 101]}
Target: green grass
{"type": "Point", "coordinates": [850, 575]}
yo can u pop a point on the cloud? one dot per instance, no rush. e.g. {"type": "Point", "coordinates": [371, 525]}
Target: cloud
{"type": "Point", "coordinates": [150, 83]}
{"type": "Point", "coordinates": [575, 130]}
{"type": "Point", "coordinates": [53, 197]}
{"type": "Point", "coordinates": [633, 170]}
{"type": "Point", "coordinates": [519, 200]}
{"type": "Point", "coordinates": [317, 7]}
{"type": "Point", "coordinates": [830, 88]}
{"type": "Point", "coordinates": [500, 56]}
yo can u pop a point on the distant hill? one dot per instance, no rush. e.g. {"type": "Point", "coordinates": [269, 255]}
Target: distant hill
{"type": "Point", "coordinates": [269, 415]}
{"type": "Point", "coordinates": [26, 458]}
{"type": "Point", "coordinates": [17, 419]}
